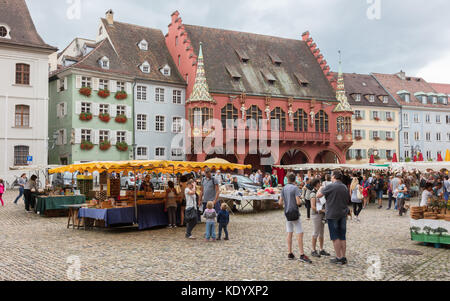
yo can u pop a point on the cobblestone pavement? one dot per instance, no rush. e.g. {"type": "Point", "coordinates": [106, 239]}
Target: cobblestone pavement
{"type": "Point", "coordinates": [37, 248]}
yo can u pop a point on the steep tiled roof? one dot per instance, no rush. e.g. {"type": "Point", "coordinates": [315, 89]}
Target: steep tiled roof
{"type": "Point", "coordinates": [270, 59]}
{"type": "Point", "coordinates": [395, 83]}
{"type": "Point", "coordinates": [441, 88]}
{"type": "Point", "coordinates": [15, 14]}
{"type": "Point", "coordinates": [364, 85]}
{"type": "Point", "coordinates": [125, 39]}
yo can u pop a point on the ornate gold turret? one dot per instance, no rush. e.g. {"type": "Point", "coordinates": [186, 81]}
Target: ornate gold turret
{"type": "Point", "coordinates": [200, 91]}
{"type": "Point", "coordinates": [344, 105]}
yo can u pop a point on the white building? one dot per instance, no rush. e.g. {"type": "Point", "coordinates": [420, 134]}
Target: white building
{"type": "Point", "coordinates": [24, 65]}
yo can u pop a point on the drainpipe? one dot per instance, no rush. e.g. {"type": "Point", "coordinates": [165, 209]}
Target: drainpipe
{"type": "Point", "coordinates": [134, 122]}
{"type": "Point", "coordinates": [6, 135]}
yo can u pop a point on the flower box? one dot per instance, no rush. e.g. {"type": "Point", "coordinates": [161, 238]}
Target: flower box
{"type": "Point", "coordinates": [86, 91]}
{"type": "Point", "coordinates": [122, 146]}
{"type": "Point", "coordinates": [376, 119]}
{"type": "Point", "coordinates": [121, 95]}
{"type": "Point", "coordinates": [121, 119]}
{"type": "Point", "coordinates": [86, 145]}
{"type": "Point", "coordinates": [358, 138]}
{"type": "Point", "coordinates": [86, 116]}
{"type": "Point", "coordinates": [105, 145]}
{"type": "Point", "coordinates": [377, 157]}
{"type": "Point", "coordinates": [104, 117]}
{"type": "Point", "coordinates": [359, 158]}
{"type": "Point", "coordinates": [103, 93]}
{"type": "Point", "coordinates": [389, 119]}
{"type": "Point", "coordinates": [376, 138]}
{"type": "Point", "coordinates": [358, 118]}
{"type": "Point", "coordinates": [389, 139]}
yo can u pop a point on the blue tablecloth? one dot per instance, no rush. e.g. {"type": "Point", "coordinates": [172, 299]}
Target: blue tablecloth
{"type": "Point", "coordinates": [150, 216]}
{"type": "Point", "coordinates": [115, 216]}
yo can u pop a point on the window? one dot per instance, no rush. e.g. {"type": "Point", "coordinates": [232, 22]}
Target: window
{"type": "Point", "coordinates": [358, 114]}
{"type": "Point", "coordinates": [177, 97]}
{"type": "Point", "coordinates": [160, 123]}
{"type": "Point", "coordinates": [141, 122]}
{"type": "Point", "coordinates": [142, 152]}
{"type": "Point", "coordinates": [358, 97]}
{"type": "Point", "coordinates": [388, 115]}
{"type": "Point", "coordinates": [145, 67]}
{"type": "Point", "coordinates": [61, 109]}
{"type": "Point", "coordinates": [141, 93]}
{"type": "Point", "coordinates": [177, 152]}
{"type": "Point", "coordinates": [428, 118]}
{"type": "Point", "coordinates": [407, 98]}
{"type": "Point", "coordinates": [3, 32]}
{"type": "Point", "coordinates": [388, 154]}
{"type": "Point", "coordinates": [86, 135]}
{"type": "Point", "coordinates": [371, 98]}
{"type": "Point", "coordinates": [120, 86]}
{"type": "Point", "coordinates": [229, 112]}
{"type": "Point", "coordinates": [103, 84]}
{"type": "Point", "coordinates": [300, 121]}
{"type": "Point", "coordinates": [121, 137]}
{"type": "Point", "coordinates": [435, 100]}
{"type": "Point", "coordinates": [376, 135]}
{"type": "Point", "coordinates": [143, 45]}
{"type": "Point", "coordinates": [407, 154]}
{"type": "Point", "coordinates": [322, 122]}
{"type": "Point", "coordinates": [406, 138]}
{"type": "Point", "coordinates": [121, 110]}
{"type": "Point", "coordinates": [104, 109]}
{"type": "Point", "coordinates": [159, 95]}
{"type": "Point", "coordinates": [86, 107]}
{"type": "Point", "coordinates": [428, 136]}
{"type": "Point", "coordinates": [61, 134]}
{"type": "Point", "coordinates": [344, 125]}
{"type": "Point", "coordinates": [376, 115]}
{"type": "Point", "coordinates": [438, 136]}
{"type": "Point", "coordinates": [160, 152]}
{"type": "Point", "coordinates": [166, 71]}
{"type": "Point", "coordinates": [424, 99]}
{"type": "Point", "coordinates": [406, 119]}
{"type": "Point", "coordinates": [177, 127]}
{"type": "Point", "coordinates": [385, 99]}
{"type": "Point", "coordinates": [429, 156]}
{"type": "Point", "coordinates": [104, 63]}
{"type": "Point", "coordinates": [61, 85]}
{"type": "Point", "coordinates": [280, 115]}
{"type": "Point", "coordinates": [176, 41]}
{"type": "Point", "coordinates": [438, 118]}
{"type": "Point", "coordinates": [255, 114]}
{"type": "Point", "coordinates": [416, 118]}
{"type": "Point", "coordinates": [199, 116]}
{"type": "Point", "coordinates": [179, 60]}
{"type": "Point", "coordinates": [86, 82]}
{"type": "Point", "coordinates": [21, 154]}
{"type": "Point", "coordinates": [416, 136]}
{"type": "Point", "coordinates": [389, 135]}
{"type": "Point", "coordinates": [22, 116]}
{"type": "Point", "coordinates": [22, 74]}
{"type": "Point", "coordinates": [103, 136]}
{"type": "Point", "coordinates": [448, 136]}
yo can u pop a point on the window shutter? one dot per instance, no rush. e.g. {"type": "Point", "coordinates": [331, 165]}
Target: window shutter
{"type": "Point", "coordinates": [95, 84]}
{"type": "Point", "coordinates": [129, 138]}
{"type": "Point", "coordinates": [363, 134]}
{"type": "Point", "coordinates": [351, 154]}
{"type": "Point", "coordinates": [371, 115]}
{"type": "Point", "coordinates": [371, 135]}
{"type": "Point", "coordinates": [363, 114]}
{"type": "Point", "coordinates": [128, 88]}
{"type": "Point", "coordinates": [58, 111]}
{"type": "Point", "coordinates": [95, 109]}
{"type": "Point", "coordinates": [65, 136]}
{"type": "Point", "coordinates": [393, 116]}
{"type": "Point", "coordinates": [383, 135]}
{"type": "Point", "coordinates": [113, 137]}
{"type": "Point", "coordinates": [113, 85]}
{"type": "Point", "coordinates": [383, 116]}
{"type": "Point", "coordinates": [393, 135]}
{"type": "Point", "coordinates": [58, 84]}
{"type": "Point", "coordinates": [383, 154]}
{"type": "Point", "coordinates": [364, 153]}
{"type": "Point", "coordinates": [65, 83]}
{"type": "Point", "coordinates": [78, 108]}
{"type": "Point", "coordinates": [65, 109]}
{"type": "Point", "coordinates": [77, 136]}
{"type": "Point", "coordinates": [128, 111]}
{"type": "Point", "coordinates": [113, 111]}
{"type": "Point", "coordinates": [78, 82]}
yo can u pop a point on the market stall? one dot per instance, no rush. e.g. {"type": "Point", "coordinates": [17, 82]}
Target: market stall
{"type": "Point", "coordinates": [51, 206]}
{"type": "Point", "coordinates": [263, 199]}
{"type": "Point", "coordinates": [113, 207]}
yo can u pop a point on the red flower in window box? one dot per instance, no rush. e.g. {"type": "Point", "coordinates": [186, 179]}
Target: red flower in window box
{"type": "Point", "coordinates": [377, 118]}
{"type": "Point", "coordinates": [121, 95]}
{"type": "Point", "coordinates": [86, 116]}
{"type": "Point", "coordinates": [104, 117]}
{"type": "Point", "coordinates": [104, 93]}
{"type": "Point", "coordinates": [358, 118]}
{"type": "Point", "coordinates": [105, 145]}
{"type": "Point", "coordinates": [358, 158]}
{"type": "Point", "coordinates": [122, 146]}
{"type": "Point", "coordinates": [86, 91]}
{"type": "Point", "coordinates": [389, 119]}
{"type": "Point", "coordinates": [389, 139]}
{"type": "Point", "coordinates": [86, 145]}
{"type": "Point", "coordinates": [121, 119]}
{"type": "Point", "coordinates": [358, 138]}
{"type": "Point", "coordinates": [376, 138]}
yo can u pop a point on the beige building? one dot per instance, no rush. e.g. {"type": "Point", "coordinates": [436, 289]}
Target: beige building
{"type": "Point", "coordinates": [376, 120]}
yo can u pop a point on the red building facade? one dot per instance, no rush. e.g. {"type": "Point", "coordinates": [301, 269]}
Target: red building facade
{"type": "Point", "coordinates": [243, 76]}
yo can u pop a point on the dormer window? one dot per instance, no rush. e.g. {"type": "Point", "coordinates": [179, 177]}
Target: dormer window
{"type": "Point", "coordinates": [358, 97]}
{"type": "Point", "coordinates": [301, 79]}
{"type": "Point", "coordinates": [385, 99]}
{"type": "Point", "coordinates": [407, 98]}
{"type": "Point", "coordinates": [104, 62]}
{"type": "Point", "coordinates": [145, 67]}
{"type": "Point", "coordinates": [275, 59]}
{"type": "Point", "coordinates": [4, 31]}
{"type": "Point", "coordinates": [243, 56]}
{"type": "Point", "coordinates": [269, 77]}
{"type": "Point", "coordinates": [435, 100]}
{"type": "Point", "coordinates": [143, 45]}
{"type": "Point", "coordinates": [235, 75]}
{"type": "Point", "coordinates": [166, 70]}
{"type": "Point", "coordinates": [371, 98]}
{"type": "Point", "coordinates": [424, 100]}
{"type": "Point", "coordinates": [405, 95]}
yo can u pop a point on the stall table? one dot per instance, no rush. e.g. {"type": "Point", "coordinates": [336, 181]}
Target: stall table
{"type": "Point", "coordinates": [254, 201]}
{"type": "Point", "coordinates": [430, 231]}
{"type": "Point", "coordinates": [55, 205]}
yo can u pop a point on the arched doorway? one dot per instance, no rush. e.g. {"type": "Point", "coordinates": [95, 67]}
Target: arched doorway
{"type": "Point", "coordinates": [229, 158]}
{"type": "Point", "coordinates": [294, 156]}
{"type": "Point", "coordinates": [256, 161]}
{"type": "Point", "coordinates": [326, 157]}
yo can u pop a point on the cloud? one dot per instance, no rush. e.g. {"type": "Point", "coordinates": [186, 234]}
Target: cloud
{"type": "Point", "coordinates": [410, 35]}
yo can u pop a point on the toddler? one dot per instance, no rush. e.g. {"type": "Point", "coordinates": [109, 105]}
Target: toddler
{"type": "Point", "coordinates": [210, 216]}
{"type": "Point", "coordinates": [223, 218]}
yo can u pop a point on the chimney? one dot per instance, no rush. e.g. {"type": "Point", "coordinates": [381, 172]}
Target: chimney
{"type": "Point", "coordinates": [110, 17]}
{"type": "Point", "coordinates": [401, 75]}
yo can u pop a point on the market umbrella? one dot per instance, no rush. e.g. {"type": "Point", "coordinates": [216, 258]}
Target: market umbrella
{"type": "Point", "coordinates": [439, 158]}
{"type": "Point", "coordinates": [394, 158]}
{"type": "Point", "coordinates": [372, 159]}
{"type": "Point", "coordinates": [420, 157]}
{"type": "Point", "coordinates": [447, 156]}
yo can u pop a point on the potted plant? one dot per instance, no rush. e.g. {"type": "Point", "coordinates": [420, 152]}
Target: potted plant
{"type": "Point", "coordinates": [104, 117]}
{"type": "Point", "coordinates": [407, 160]}
{"type": "Point", "coordinates": [376, 118]}
{"type": "Point", "coordinates": [376, 138]}
{"type": "Point", "coordinates": [104, 93]}
{"type": "Point", "coordinates": [389, 139]}
{"type": "Point", "coordinates": [121, 119]}
{"type": "Point", "coordinates": [358, 118]}
{"type": "Point", "coordinates": [377, 157]}
{"type": "Point", "coordinates": [389, 119]}
{"type": "Point", "coordinates": [358, 138]}
{"type": "Point", "coordinates": [122, 146]}
{"type": "Point", "coordinates": [121, 95]}
{"type": "Point", "coordinates": [86, 116]}
{"type": "Point", "coordinates": [389, 158]}
{"type": "Point", "coordinates": [105, 145]}
{"type": "Point", "coordinates": [86, 145]}
{"type": "Point", "coordinates": [86, 91]}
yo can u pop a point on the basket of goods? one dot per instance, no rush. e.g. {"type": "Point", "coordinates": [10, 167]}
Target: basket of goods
{"type": "Point", "coordinates": [106, 205]}
{"type": "Point", "coordinates": [417, 212]}
{"type": "Point", "coordinates": [430, 215]}
{"type": "Point", "coordinates": [149, 195]}
{"type": "Point", "coordinates": [447, 217]}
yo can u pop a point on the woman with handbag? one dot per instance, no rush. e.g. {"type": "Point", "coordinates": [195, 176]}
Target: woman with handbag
{"type": "Point", "coordinates": [191, 215]}
{"type": "Point", "coordinates": [357, 198]}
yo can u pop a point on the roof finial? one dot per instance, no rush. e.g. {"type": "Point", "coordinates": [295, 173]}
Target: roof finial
{"type": "Point", "coordinates": [343, 105]}
{"type": "Point", "coordinates": [200, 91]}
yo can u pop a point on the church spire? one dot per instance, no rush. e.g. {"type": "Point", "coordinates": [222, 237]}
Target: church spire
{"type": "Point", "coordinates": [343, 105]}
{"type": "Point", "coordinates": [200, 91]}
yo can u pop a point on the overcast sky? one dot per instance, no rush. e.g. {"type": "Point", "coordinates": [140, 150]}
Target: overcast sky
{"type": "Point", "coordinates": [383, 36]}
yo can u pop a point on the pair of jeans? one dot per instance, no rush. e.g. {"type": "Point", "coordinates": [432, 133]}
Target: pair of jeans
{"type": "Point", "coordinates": [225, 230]}
{"type": "Point", "coordinates": [338, 228]}
{"type": "Point", "coordinates": [172, 213]}
{"type": "Point", "coordinates": [308, 208]}
{"type": "Point", "coordinates": [21, 190]}
{"type": "Point", "coordinates": [357, 208]}
{"type": "Point", "coordinates": [28, 199]}
{"type": "Point", "coordinates": [210, 230]}
{"type": "Point", "coordinates": [391, 197]}
{"type": "Point", "coordinates": [190, 225]}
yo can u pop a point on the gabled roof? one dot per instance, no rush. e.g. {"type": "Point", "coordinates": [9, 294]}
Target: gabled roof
{"type": "Point", "coordinates": [441, 88]}
{"type": "Point", "coordinates": [126, 37]}
{"type": "Point", "coordinates": [15, 14]}
{"type": "Point", "coordinates": [395, 83]}
{"type": "Point", "coordinates": [365, 84]}
{"type": "Point", "coordinates": [223, 53]}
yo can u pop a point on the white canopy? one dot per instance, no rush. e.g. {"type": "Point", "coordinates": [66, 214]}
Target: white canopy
{"type": "Point", "coordinates": [334, 166]}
